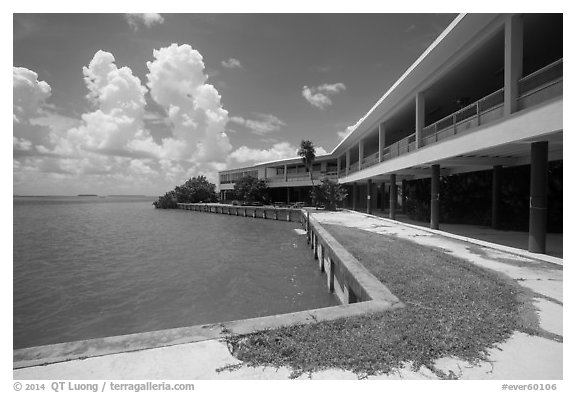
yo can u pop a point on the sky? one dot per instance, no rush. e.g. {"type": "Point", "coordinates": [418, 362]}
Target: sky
{"type": "Point", "coordinates": [138, 103]}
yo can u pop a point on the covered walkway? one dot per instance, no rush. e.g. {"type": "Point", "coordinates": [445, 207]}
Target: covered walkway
{"type": "Point", "coordinates": [514, 239]}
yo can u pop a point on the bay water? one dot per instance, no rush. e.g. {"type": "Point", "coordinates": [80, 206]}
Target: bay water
{"type": "Point", "coordinates": [88, 267]}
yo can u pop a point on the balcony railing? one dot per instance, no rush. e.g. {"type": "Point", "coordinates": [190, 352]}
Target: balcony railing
{"type": "Point", "coordinates": [353, 168]}
{"type": "Point", "coordinates": [403, 146]}
{"type": "Point", "coordinates": [303, 177]}
{"type": "Point", "coordinates": [481, 111]}
{"type": "Point", "coordinates": [544, 77]}
{"type": "Point", "coordinates": [540, 86]}
{"type": "Point", "coordinates": [370, 160]}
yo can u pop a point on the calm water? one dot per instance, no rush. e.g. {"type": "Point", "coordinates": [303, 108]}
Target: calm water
{"type": "Point", "coordinates": [87, 267]}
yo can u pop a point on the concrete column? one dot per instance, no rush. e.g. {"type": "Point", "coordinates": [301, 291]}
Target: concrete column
{"type": "Point", "coordinates": [496, 186]}
{"type": "Point", "coordinates": [354, 196]}
{"type": "Point", "coordinates": [330, 274]}
{"type": "Point", "coordinates": [381, 140]}
{"type": "Point", "coordinates": [513, 55]}
{"type": "Point", "coordinates": [285, 173]}
{"type": "Point", "coordinates": [313, 244]}
{"type": "Point", "coordinates": [360, 153]}
{"type": "Point", "coordinates": [538, 197]}
{"type": "Point", "coordinates": [347, 161]}
{"type": "Point", "coordinates": [420, 117]}
{"type": "Point", "coordinates": [435, 197]}
{"type": "Point", "coordinates": [346, 295]}
{"type": "Point", "coordinates": [393, 196]}
{"type": "Point", "coordinates": [404, 198]}
{"type": "Point", "coordinates": [321, 259]}
{"type": "Point", "coordinates": [349, 296]}
{"type": "Point", "coordinates": [383, 200]}
{"type": "Point", "coordinates": [338, 163]}
{"type": "Point", "coordinates": [369, 196]}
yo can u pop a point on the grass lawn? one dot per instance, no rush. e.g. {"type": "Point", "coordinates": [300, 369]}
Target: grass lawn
{"type": "Point", "coordinates": [452, 308]}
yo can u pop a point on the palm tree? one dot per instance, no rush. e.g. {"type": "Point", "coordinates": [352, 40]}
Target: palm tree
{"type": "Point", "coordinates": [308, 154]}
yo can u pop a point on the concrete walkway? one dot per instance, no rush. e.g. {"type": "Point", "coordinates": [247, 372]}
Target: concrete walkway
{"type": "Point", "coordinates": [515, 239]}
{"type": "Point", "coordinates": [521, 357]}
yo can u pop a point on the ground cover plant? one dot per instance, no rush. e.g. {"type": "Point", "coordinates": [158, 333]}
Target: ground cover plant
{"type": "Point", "coordinates": [453, 308]}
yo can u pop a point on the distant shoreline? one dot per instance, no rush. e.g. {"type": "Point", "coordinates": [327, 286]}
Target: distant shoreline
{"type": "Point", "coordinates": [85, 195]}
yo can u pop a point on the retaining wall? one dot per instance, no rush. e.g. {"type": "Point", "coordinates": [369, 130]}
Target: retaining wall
{"type": "Point", "coordinates": [271, 213]}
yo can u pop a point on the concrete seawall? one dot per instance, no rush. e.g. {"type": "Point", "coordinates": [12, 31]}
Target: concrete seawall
{"type": "Point", "coordinates": [270, 213]}
{"type": "Point", "coordinates": [359, 291]}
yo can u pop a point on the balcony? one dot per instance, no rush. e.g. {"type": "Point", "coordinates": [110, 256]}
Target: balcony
{"type": "Point", "coordinates": [302, 177]}
{"type": "Point", "coordinates": [540, 86]}
{"type": "Point", "coordinates": [370, 160]}
{"type": "Point", "coordinates": [353, 168]}
{"type": "Point", "coordinates": [403, 146]}
{"type": "Point", "coordinates": [482, 111]}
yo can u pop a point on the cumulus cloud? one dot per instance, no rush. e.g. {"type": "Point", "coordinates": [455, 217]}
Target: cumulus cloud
{"type": "Point", "coordinates": [148, 20]}
{"type": "Point", "coordinates": [331, 88]}
{"type": "Point", "coordinates": [110, 147]}
{"type": "Point", "coordinates": [178, 83]}
{"type": "Point", "coordinates": [265, 123]}
{"type": "Point", "coordinates": [278, 151]}
{"type": "Point", "coordinates": [29, 94]}
{"type": "Point", "coordinates": [344, 134]}
{"type": "Point", "coordinates": [21, 144]}
{"type": "Point", "coordinates": [320, 151]}
{"type": "Point", "coordinates": [118, 96]}
{"type": "Point", "coordinates": [29, 103]}
{"type": "Point", "coordinates": [319, 96]}
{"type": "Point", "coordinates": [115, 147]}
{"type": "Point", "coordinates": [231, 63]}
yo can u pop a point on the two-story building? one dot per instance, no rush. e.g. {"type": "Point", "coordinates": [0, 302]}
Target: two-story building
{"type": "Point", "coordinates": [486, 94]}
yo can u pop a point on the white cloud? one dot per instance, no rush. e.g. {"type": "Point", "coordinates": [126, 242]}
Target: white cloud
{"type": "Point", "coordinates": [319, 96]}
{"type": "Point", "coordinates": [332, 88]}
{"type": "Point", "coordinates": [320, 151]}
{"type": "Point", "coordinates": [148, 20]}
{"type": "Point", "coordinates": [344, 134]}
{"type": "Point", "coordinates": [29, 94]}
{"type": "Point", "coordinates": [119, 98]}
{"type": "Point", "coordinates": [110, 148]}
{"type": "Point", "coordinates": [265, 124]}
{"type": "Point", "coordinates": [278, 151]}
{"type": "Point", "coordinates": [29, 104]}
{"type": "Point", "coordinates": [21, 144]}
{"type": "Point", "coordinates": [178, 83]}
{"type": "Point", "coordinates": [231, 63]}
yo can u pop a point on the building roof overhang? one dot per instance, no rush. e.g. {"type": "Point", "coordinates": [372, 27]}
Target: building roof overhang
{"type": "Point", "coordinates": [462, 36]}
